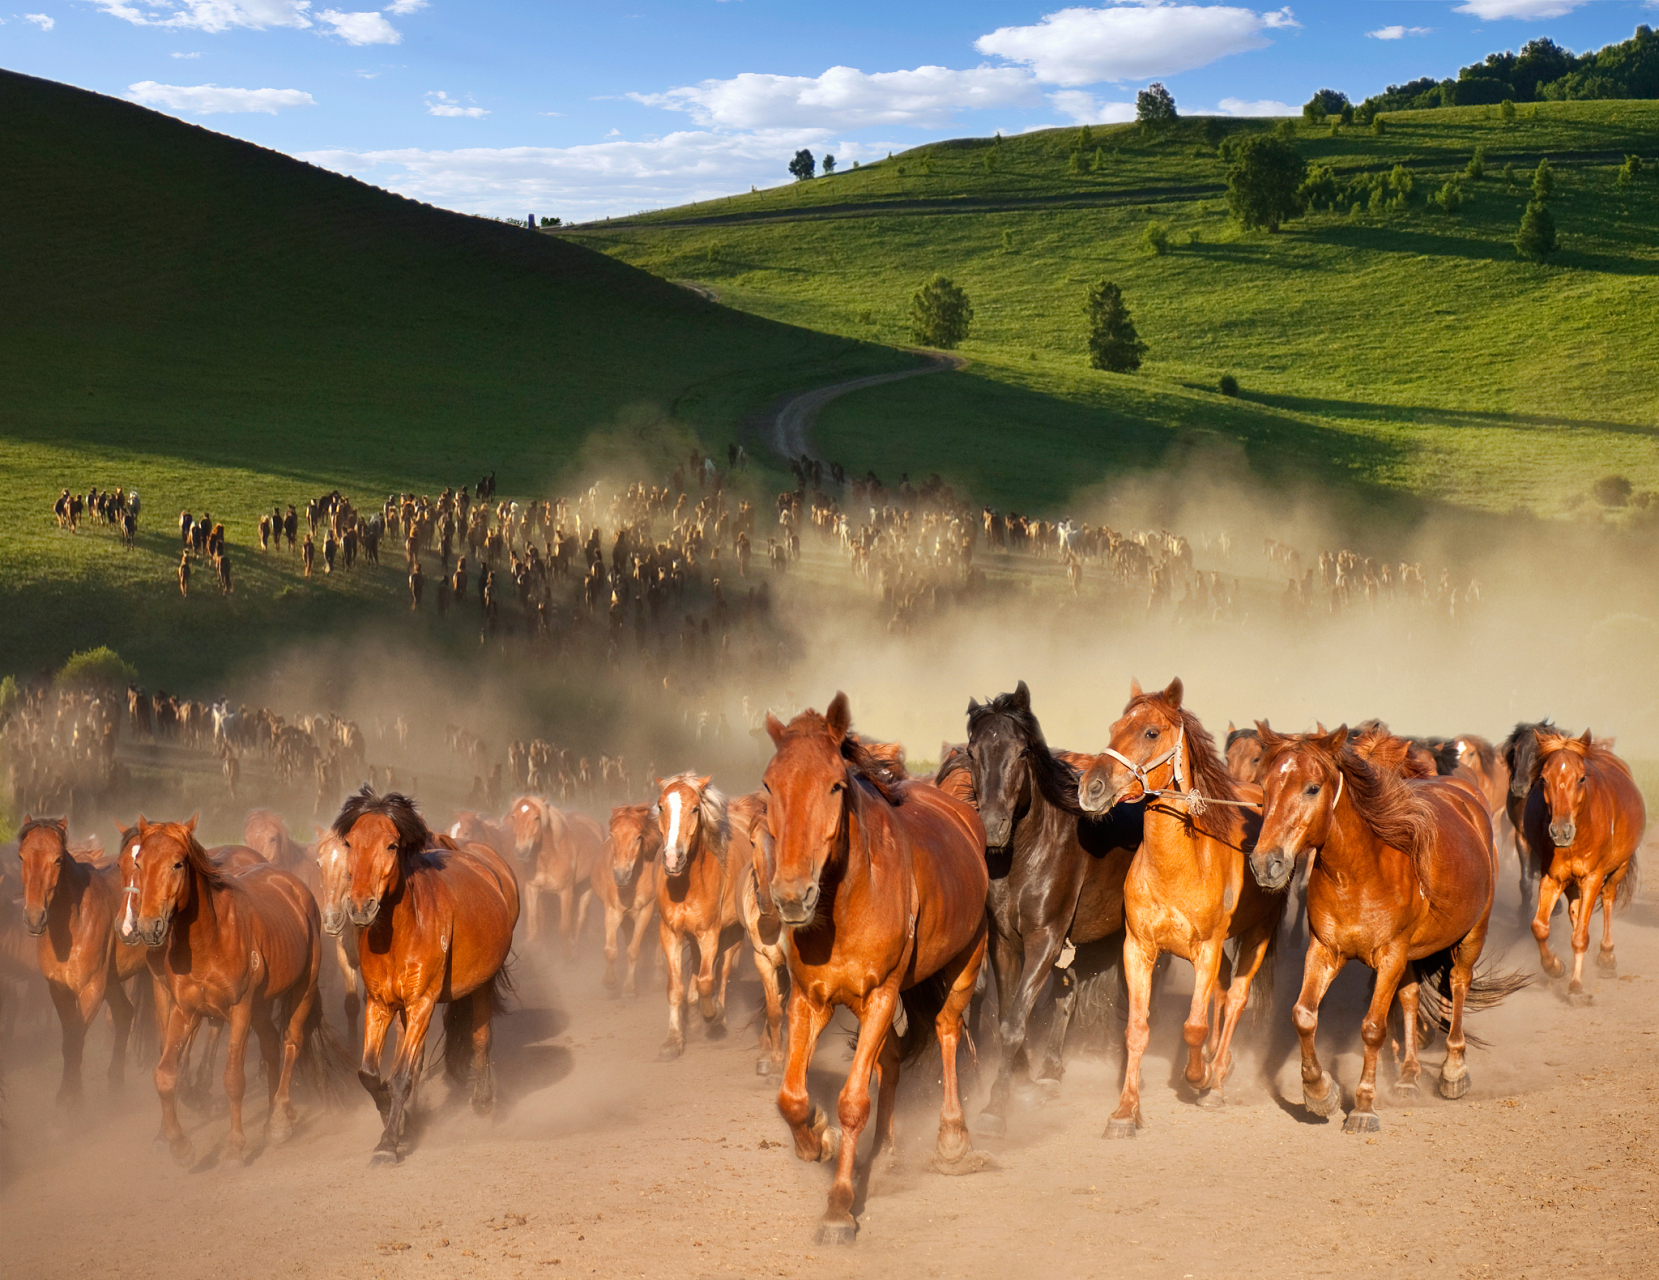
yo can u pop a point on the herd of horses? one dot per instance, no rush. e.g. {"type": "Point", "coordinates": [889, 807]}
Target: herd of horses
{"type": "Point", "coordinates": [854, 884]}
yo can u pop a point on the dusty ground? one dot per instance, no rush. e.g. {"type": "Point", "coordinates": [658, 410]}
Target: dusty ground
{"type": "Point", "coordinates": [602, 1161]}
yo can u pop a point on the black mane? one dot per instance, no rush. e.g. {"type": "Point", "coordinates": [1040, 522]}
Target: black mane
{"type": "Point", "coordinates": [1520, 753]}
{"type": "Point", "coordinates": [1240, 735]}
{"type": "Point", "coordinates": [413, 835]}
{"type": "Point", "coordinates": [1056, 779]}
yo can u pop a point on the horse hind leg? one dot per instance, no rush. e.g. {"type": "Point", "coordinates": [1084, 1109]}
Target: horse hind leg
{"type": "Point", "coordinates": [1063, 1003]}
{"type": "Point", "coordinates": [1606, 962]}
{"type": "Point", "coordinates": [482, 1033]}
{"type": "Point", "coordinates": [236, 1074]}
{"type": "Point", "coordinates": [1411, 1068]}
{"type": "Point", "coordinates": [1252, 952]}
{"type": "Point", "coordinates": [279, 1124]}
{"type": "Point", "coordinates": [954, 1152]}
{"type": "Point", "coordinates": [121, 1013]}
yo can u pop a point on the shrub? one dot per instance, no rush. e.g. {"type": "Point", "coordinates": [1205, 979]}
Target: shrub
{"type": "Point", "coordinates": [1509, 174]}
{"type": "Point", "coordinates": [1402, 181]}
{"type": "Point", "coordinates": [1098, 162]}
{"type": "Point", "coordinates": [1475, 170]}
{"type": "Point", "coordinates": [1155, 239]}
{"type": "Point", "coordinates": [1630, 170]}
{"type": "Point", "coordinates": [940, 314]}
{"type": "Point", "coordinates": [1074, 163]}
{"type": "Point", "coordinates": [1449, 197]}
{"type": "Point", "coordinates": [1543, 180]}
{"type": "Point", "coordinates": [1263, 182]}
{"type": "Point", "coordinates": [1229, 385]}
{"type": "Point", "coordinates": [1007, 241]}
{"type": "Point", "coordinates": [1535, 240]}
{"type": "Point", "coordinates": [1379, 126]}
{"type": "Point", "coordinates": [100, 666]}
{"type": "Point", "coordinates": [1612, 491]}
{"type": "Point", "coordinates": [1213, 131]}
{"type": "Point", "coordinates": [1506, 111]}
{"type": "Point", "coordinates": [1113, 343]}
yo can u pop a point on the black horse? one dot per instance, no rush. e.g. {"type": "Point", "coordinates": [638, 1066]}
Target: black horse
{"type": "Point", "coordinates": [1056, 878]}
{"type": "Point", "coordinates": [1520, 754]}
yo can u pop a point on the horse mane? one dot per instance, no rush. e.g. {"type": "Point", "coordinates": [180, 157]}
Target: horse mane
{"type": "Point", "coordinates": [1209, 772]}
{"type": "Point", "coordinates": [413, 835]}
{"type": "Point", "coordinates": [1520, 753]}
{"type": "Point", "coordinates": [881, 764]}
{"type": "Point", "coordinates": [713, 810]}
{"type": "Point", "coordinates": [201, 862]}
{"type": "Point", "coordinates": [1598, 750]}
{"type": "Point", "coordinates": [41, 824]}
{"type": "Point", "coordinates": [1396, 813]}
{"type": "Point", "coordinates": [1056, 779]}
{"type": "Point", "coordinates": [1373, 741]}
{"type": "Point", "coordinates": [953, 759]}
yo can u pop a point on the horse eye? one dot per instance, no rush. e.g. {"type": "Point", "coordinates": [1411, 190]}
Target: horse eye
{"type": "Point", "coordinates": [1152, 733]}
{"type": "Point", "coordinates": [837, 786]}
{"type": "Point", "coordinates": [1312, 789]}
{"type": "Point", "coordinates": [178, 866]}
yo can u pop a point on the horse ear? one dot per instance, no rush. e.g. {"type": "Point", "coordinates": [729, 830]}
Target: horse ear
{"type": "Point", "coordinates": [118, 827]}
{"type": "Point", "coordinates": [1339, 737]}
{"type": "Point", "coordinates": [839, 716]}
{"type": "Point", "coordinates": [704, 781]}
{"type": "Point", "coordinates": [190, 822]}
{"type": "Point", "coordinates": [1174, 692]}
{"type": "Point", "coordinates": [62, 824]}
{"type": "Point", "coordinates": [1134, 688]}
{"type": "Point", "coordinates": [27, 819]}
{"type": "Point", "coordinates": [143, 824]}
{"type": "Point", "coordinates": [1022, 696]}
{"type": "Point", "coordinates": [1319, 727]}
{"type": "Point", "coordinates": [774, 728]}
{"type": "Point", "coordinates": [973, 705]}
{"type": "Point", "coordinates": [1585, 738]}
{"type": "Point", "coordinates": [1230, 729]}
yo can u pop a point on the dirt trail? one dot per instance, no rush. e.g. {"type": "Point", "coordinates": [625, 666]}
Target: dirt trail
{"type": "Point", "coordinates": [603, 1162]}
{"type": "Point", "coordinates": [789, 427]}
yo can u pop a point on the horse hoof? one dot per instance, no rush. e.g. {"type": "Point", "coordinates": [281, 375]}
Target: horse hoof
{"type": "Point", "coordinates": [1116, 1128]}
{"type": "Point", "coordinates": [970, 1161]}
{"type": "Point", "coordinates": [1580, 998]}
{"type": "Point", "coordinates": [1454, 1086]}
{"type": "Point", "coordinates": [1406, 1089]}
{"type": "Point", "coordinates": [1607, 964]}
{"type": "Point", "coordinates": [1211, 1099]}
{"type": "Point", "coordinates": [829, 1146]}
{"type": "Point", "coordinates": [1330, 1104]}
{"type": "Point", "coordinates": [381, 1158]}
{"type": "Point", "coordinates": [834, 1233]}
{"type": "Point", "coordinates": [763, 1066]}
{"type": "Point", "coordinates": [1362, 1122]}
{"type": "Point", "coordinates": [1047, 1088]}
{"type": "Point", "coordinates": [483, 1106]}
{"type": "Point", "coordinates": [991, 1124]}
{"type": "Point", "coordinates": [277, 1134]}
{"type": "Point", "coordinates": [183, 1152]}
{"type": "Point", "coordinates": [670, 1051]}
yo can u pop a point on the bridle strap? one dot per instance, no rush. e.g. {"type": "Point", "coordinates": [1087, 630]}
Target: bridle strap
{"type": "Point", "coordinates": [1196, 801]}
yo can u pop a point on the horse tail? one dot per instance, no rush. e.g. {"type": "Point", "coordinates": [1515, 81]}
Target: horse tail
{"type": "Point", "coordinates": [1627, 886]}
{"type": "Point", "coordinates": [1487, 989]}
{"type": "Point", "coordinates": [459, 1023]}
{"type": "Point", "coordinates": [1259, 1004]}
{"type": "Point", "coordinates": [142, 1047]}
{"type": "Point", "coordinates": [922, 1005]}
{"type": "Point", "coordinates": [324, 1059]}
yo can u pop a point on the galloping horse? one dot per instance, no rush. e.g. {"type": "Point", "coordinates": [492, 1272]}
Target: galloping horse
{"type": "Point", "coordinates": [881, 883]}
{"type": "Point", "coordinates": [70, 903]}
{"type": "Point", "coordinates": [1186, 892]}
{"type": "Point", "coordinates": [1519, 752]}
{"type": "Point", "coordinates": [333, 887]}
{"type": "Point", "coordinates": [1402, 879]}
{"type": "Point", "coordinates": [1056, 875]}
{"type": "Point", "coordinates": [706, 892]}
{"type": "Point", "coordinates": [434, 926]}
{"type": "Point", "coordinates": [626, 885]}
{"type": "Point", "coordinates": [561, 851]}
{"type": "Point", "coordinates": [240, 946]}
{"type": "Point", "coordinates": [1585, 812]}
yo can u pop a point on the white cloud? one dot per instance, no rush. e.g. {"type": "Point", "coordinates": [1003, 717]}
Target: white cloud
{"type": "Point", "coordinates": [1493, 9]}
{"type": "Point", "coordinates": [210, 15]}
{"type": "Point", "coordinates": [184, 55]}
{"type": "Point", "coordinates": [1397, 33]}
{"type": "Point", "coordinates": [439, 103]}
{"type": "Point", "coordinates": [1085, 108]}
{"type": "Point", "coordinates": [41, 20]}
{"type": "Point", "coordinates": [846, 98]}
{"type": "Point", "coordinates": [1263, 107]}
{"type": "Point", "coordinates": [209, 99]}
{"type": "Point", "coordinates": [361, 28]}
{"type": "Point", "coordinates": [403, 8]}
{"type": "Point", "coordinates": [1132, 41]}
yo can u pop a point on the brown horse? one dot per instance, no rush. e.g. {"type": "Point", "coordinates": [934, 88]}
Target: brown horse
{"type": "Point", "coordinates": [243, 947]}
{"type": "Point", "coordinates": [267, 835]}
{"type": "Point", "coordinates": [333, 884]}
{"type": "Point", "coordinates": [434, 926]}
{"type": "Point", "coordinates": [1186, 892]}
{"type": "Point", "coordinates": [1402, 880]}
{"type": "Point", "coordinates": [627, 885]}
{"type": "Point", "coordinates": [1242, 750]}
{"type": "Point", "coordinates": [881, 883]}
{"type": "Point", "coordinates": [70, 904]}
{"type": "Point", "coordinates": [706, 892]}
{"type": "Point", "coordinates": [561, 851]}
{"type": "Point", "coordinates": [1584, 822]}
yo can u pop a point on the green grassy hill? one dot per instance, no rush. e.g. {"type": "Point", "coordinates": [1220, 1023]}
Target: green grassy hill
{"type": "Point", "coordinates": [1407, 352]}
{"type": "Point", "coordinates": [220, 326]}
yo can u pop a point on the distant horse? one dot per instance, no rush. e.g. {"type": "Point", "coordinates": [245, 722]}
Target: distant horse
{"type": "Point", "coordinates": [1056, 875]}
{"type": "Point", "coordinates": [434, 926]}
{"type": "Point", "coordinates": [561, 851]}
{"type": "Point", "coordinates": [1584, 821]}
{"type": "Point", "coordinates": [1402, 880]}
{"type": "Point", "coordinates": [627, 884]}
{"type": "Point", "coordinates": [1242, 750]}
{"type": "Point", "coordinates": [333, 887]}
{"type": "Point", "coordinates": [70, 904]}
{"type": "Point", "coordinates": [243, 947]}
{"type": "Point", "coordinates": [1186, 892]}
{"type": "Point", "coordinates": [881, 884]}
{"type": "Point", "coordinates": [267, 835]}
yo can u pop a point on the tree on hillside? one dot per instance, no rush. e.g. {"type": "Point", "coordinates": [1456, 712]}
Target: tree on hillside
{"type": "Point", "coordinates": [1327, 102]}
{"type": "Point", "coordinates": [1155, 105]}
{"type": "Point", "coordinates": [829, 165]}
{"type": "Point", "coordinates": [1543, 180]}
{"type": "Point", "coordinates": [803, 166]}
{"type": "Point", "coordinates": [940, 314]}
{"type": "Point", "coordinates": [1113, 343]}
{"type": "Point", "coordinates": [1535, 240]}
{"type": "Point", "coordinates": [1263, 180]}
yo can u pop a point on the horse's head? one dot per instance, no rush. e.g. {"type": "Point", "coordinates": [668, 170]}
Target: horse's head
{"type": "Point", "coordinates": [530, 815]}
{"type": "Point", "coordinates": [1244, 755]}
{"type": "Point", "coordinates": [155, 878]}
{"type": "Point", "coordinates": [1144, 750]}
{"type": "Point", "coordinates": [680, 818]}
{"type": "Point", "coordinates": [378, 831]}
{"type": "Point", "coordinates": [1562, 773]}
{"type": "Point", "coordinates": [999, 761]}
{"type": "Point", "coordinates": [264, 833]}
{"type": "Point", "coordinates": [333, 880]}
{"type": "Point", "coordinates": [43, 849]}
{"type": "Point", "coordinates": [807, 785]}
{"type": "Point", "coordinates": [1301, 786]}
{"type": "Point", "coordinates": [635, 840]}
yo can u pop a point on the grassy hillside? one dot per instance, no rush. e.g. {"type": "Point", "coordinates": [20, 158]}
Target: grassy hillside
{"type": "Point", "coordinates": [221, 326]}
{"type": "Point", "coordinates": [1408, 350]}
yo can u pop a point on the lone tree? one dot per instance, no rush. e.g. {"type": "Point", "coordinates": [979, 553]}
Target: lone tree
{"type": "Point", "coordinates": [1113, 343]}
{"type": "Point", "coordinates": [940, 314]}
{"type": "Point", "coordinates": [1263, 182]}
{"type": "Point", "coordinates": [1155, 106]}
{"type": "Point", "coordinates": [1327, 102]}
{"type": "Point", "coordinates": [1535, 241]}
{"type": "Point", "coordinates": [829, 165]}
{"type": "Point", "coordinates": [1543, 180]}
{"type": "Point", "coordinates": [803, 166]}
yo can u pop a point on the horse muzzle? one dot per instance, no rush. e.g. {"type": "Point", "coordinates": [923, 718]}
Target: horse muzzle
{"type": "Point", "coordinates": [999, 830]}
{"type": "Point", "coordinates": [362, 915]}
{"type": "Point", "coordinates": [674, 864]}
{"type": "Point", "coordinates": [624, 876]}
{"type": "Point", "coordinates": [795, 906]}
{"type": "Point", "coordinates": [1563, 833]}
{"type": "Point", "coordinates": [1098, 796]}
{"type": "Point", "coordinates": [34, 922]}
{"type": "Point", "coordinates": [526, 852]}
{"type": "Point", "coordinates": [333, 920]}
{"type": "Point", "coordinates": [1273, 868]}
{"type": "Point", "coordinates": [148, 931]}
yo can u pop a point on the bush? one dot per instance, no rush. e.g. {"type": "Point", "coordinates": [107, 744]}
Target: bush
{"type": "Point", "coordinates": [1612, 491]}
{"type": "Point", "coordinates": [1213, 131]}
{"type": "Point", "coordinates": [1475, 170]}
{"type": "Point", "coordinates": [1506, 111]}
{"type": "Point", "coordinates": [1535, 240]}
{"type": "Point", "coordinates": [100, 666]}
{"type": "Point", "coordinates": [1007, 241]}
{"type": "Point", "coordinates": [1263, 182]}
{"type": "Point", "coordinates": [1543, 180]}
{"type": "Point", "coordinates": [1509, 174]}
{"type": "Point", "coordinates": [1074, 163]}
{"type": "Point", "coordinates": [1630, 170]}
{"type": "Point", "coordinates": [1449, 197]}
{"type": "Point", "coordinates": [1378, 126]}
{"type": "Point", "coordinates": [803, 166]}
{"type": "Point", "coordinates": [1155, 239]}
{"type": "Point", "coordinates": [940, 314]}
{"type": "Point", "coordinates": [1402, 181]}
{"type": "Point", "coordinates": [1113, 343]}
{"type": "Point", "coordinates": [1229, 385]}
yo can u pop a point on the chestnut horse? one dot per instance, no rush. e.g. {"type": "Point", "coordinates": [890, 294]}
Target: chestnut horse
{"type": "Point", "coordinates": [70, 904]}
{"type": "Point", "coordinates": [561, 850]}
{"type": "Point", "coordinates": [241, 946]}
{"type": "Point", "coordinates": [333, 886]}
{"type": "Point", "coordinates": [1056, 877]}
{"type": "Point", "coordinates": [1242, 750]}
{"type": "Point", "coordinates": [1584, 821]}
{"type": "Point", "coordinates": [626, 885]}
{"type": "Point", "coordinates": [1402, 880]}
{"type": "Point", "coordinates": [434, 926]}
{"type": "Point", "coordinates": [881, 883]}
{"type": "Point", "coordinates": [1186, 892]}
{"type": "Point", "coordinates": [267, 835]}
{"type": "Point", "coordinates": [707, 892]}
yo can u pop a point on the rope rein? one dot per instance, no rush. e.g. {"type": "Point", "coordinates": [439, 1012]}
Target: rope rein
{"type": "Point", "coordinates": [1197, 802]}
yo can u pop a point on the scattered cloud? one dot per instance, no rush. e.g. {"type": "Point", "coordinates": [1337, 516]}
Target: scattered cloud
{"type": "Point", "coordinates": [1084, 108]}
{"type": "Point", "coordinates": [361, 28]}
{"type": "Point", "coordinates": [1397, 33]}
{"type": "Point", "coordinates": [403, 8]}
{"type": "Point", "coordinates": [1494, 9]}
{"type": "Point", "coordinates": [439, 103]}
{"type": "Point", "coordinates": [41, 20]}
{"type": "Point", "coordinates": [215, 16]}
{"type": "Point", "coordinates": [1263, 107]}
{"type": "Point", "coordinates": [846, 98]}
{"type": "Point", "coordinates": [184, 55]}
{"type": "Point", "coordinates": [1131, 41]}
{"type": "Point", "coordinates": [211, 99]}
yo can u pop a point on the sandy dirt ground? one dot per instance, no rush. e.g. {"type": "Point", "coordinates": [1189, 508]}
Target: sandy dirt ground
{"type": "Point", "coordinates": [602, 1161]}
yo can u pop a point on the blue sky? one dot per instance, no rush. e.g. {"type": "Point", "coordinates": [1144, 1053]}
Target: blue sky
{"type": "Point", "coordinates": [583, 110]}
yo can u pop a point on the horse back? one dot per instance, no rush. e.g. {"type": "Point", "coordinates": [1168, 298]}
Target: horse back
{"type": "Point", "coordinates": [1616, 808]}
{"type": "Point", "coordinates": [272, 915]}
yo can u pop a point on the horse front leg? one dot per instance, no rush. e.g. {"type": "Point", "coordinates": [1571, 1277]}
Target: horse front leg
{"type": "Point", "coordinates": [68, 1005]}
{"type": "Point", "coordinates": [1549, 890]}
{"type": "Point", "coordinates": [954, 1151]}
{"type": "Point", "coordinates": [673, 954]}
{"type": "Point", "coordinates": [613, 926]}
{"type": "Point", "coordinates": [642, 921]}
{"type": "Point", "coordinates": [532, 897]}
{"type": "Point", "coordinates": [853, 1109]}
{"type": "Point", "coordinates": [1207, 959]}
{"type": "Point", "coordinates": [377, 1019]}
{"type": "Point", "coordinates": [814, 1139]}
{"type": "Point", "coordinates": [236, 1074]}
{"type": "Point", "coordinates": [121, 1013]}
{"type": "Point", "coordinates": [1589, 891]}
{"type": "Point", "coordinates": [1411, 1068]}
{"type": "Point", "coordinates": [1006, 958]}
{"type": "Point", "coordinates": [1373, 1031]}
{"type": "Point", "coordinates": [708, 952]}
{"type": "Point", "coordinates": [729, 961]}
{"type": "Point", "coordinates": [406, 1063]}
{"type": "Point", "coordinates": [768, 961]}
{"type": "Point", "coordinates": [567, 921]}
{"type": "Point", "coordinates": [1138, 959]}
{"type": "Point", "coordinates": [1320, 1094]}
{"type": "Point", "coordinates": [180, 1027]}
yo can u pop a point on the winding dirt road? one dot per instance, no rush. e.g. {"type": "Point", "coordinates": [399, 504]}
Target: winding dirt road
{"type": "Point", "coordinates": [789, 427]}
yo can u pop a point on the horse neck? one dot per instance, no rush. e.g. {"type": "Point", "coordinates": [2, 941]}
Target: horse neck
{"type": "Point", "coordinates": [1041, 816]}
{"type": "Point", "coordinates": [1351, 848]}
{"type": "Point", "coordinates": [69, 893]}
